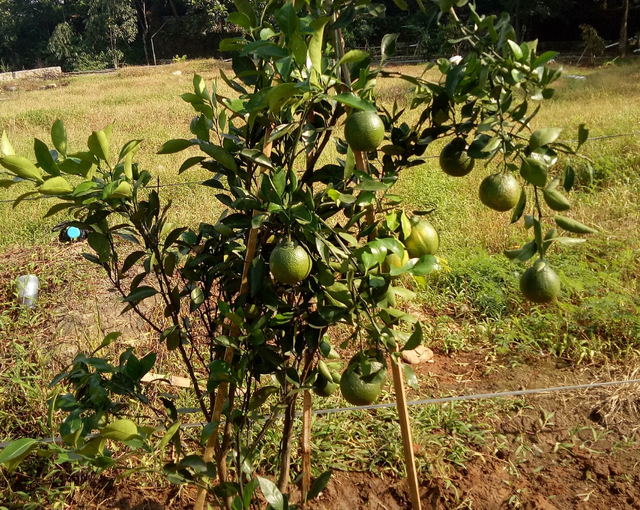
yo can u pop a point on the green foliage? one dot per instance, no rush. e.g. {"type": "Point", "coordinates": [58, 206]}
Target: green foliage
{"type": "Point", "coordinates": [108, 22]}
{"type": "Point", "coordinates": [594, 44]}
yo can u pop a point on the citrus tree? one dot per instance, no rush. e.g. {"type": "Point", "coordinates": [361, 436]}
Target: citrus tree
{"type": "Point", "coordinates": [303, 243]}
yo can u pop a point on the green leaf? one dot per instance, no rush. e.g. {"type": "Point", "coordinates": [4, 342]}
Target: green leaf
{"type": "Point", "coordinates": [197, 298]}
{"type": "Point", "coordinates": [388, 46]}
{"type": "Point", "coordinates": [200, 87]}
{"type": "Point", "coordinates": [109, 339]}
{"type": "Point", "coordinates": [353, 101]}
{"type": "Point", "coordinates": [140, 293]}
{"type": "Point", "coordinates": [17, 449]}
{"type": "Point", "coordinates": [55, 209]}
{"type": "Point", "coordinates": [21, 167]}
{"type": "Point", "coordinates": [299, 49]}
{"type": "Point", "coordinates": [534, 172]}
{"type": "Point", "coordinates": [537, 231]}
{"type": "Point", "coordinates": [543, 137]}
{"type": "Point", "coordinates": [319, 485]}
{"type": "Point", "coordinates": [55, 186]}
{"type": "Point", "coordinates": [5, 146]}
{"type": "Point", "coordinates": [569, 240]}
{"type": "Point", "coordinates": [123, 190]}
{"type": "Point", "coordinates": [583, 135]}
{"type": "Point", "coordinates": [120, 430]}
{"type": "Point", "coordinates": [556, 200]}
{"type": "Point", "coordinates": [315, 43]}
{"type": "Point", "coordinates": [415, 339]}
{"type": "Point", "coordinates": [410, 377]}
{"type": "Point", "coordinates": [349, 164]}
{"type": "Point", "coordinates": [573, 226]}
{"type": "Point", "coordinates": [401, 4]}
{"type": "Point", "coordinates": [101, 246]}
{"type": "Point", "coordinates": [353, 56]}
{"type": "Point", "coordinates": [287, 19]}
{"type": "Point", "coordinates": [417, 267]}
{"type": "Point", "coordinates": [168, 435]}
{"type": "Point", "coordinates": [207, 430]}
{"type": "Point", "coordinates": [173, 146]}
{"type": "Point", "coordinates": [279, 95]}
{"type": "Point", "coordinates": [261, 396]}
{"type": "Point", "coordinates": [520, 207]}
{"type": "Point", "coordinates": [345, 18]}
{"type": "Point", "coordinates": [515, 49]}
{"type": "Point", "coordinates": [568, 178]}
{"type": "Point", "coordinates": [59, 137]}
{"type": "Point", "coordinates": [371, 185]}
{"type": "Point", "coordinates": [131, 259]}
{"type": "Point", "coordinates": [190, 163]}
{"type": "Point", "coordinates": [172, 336]}
{"type": "Point", "coordinates": [271, 493]}
{"type": "Point", "coordinates": [240, 19]}
{"type": "Point", "coordinates": [221, 155]}
{"type": "Point", "coordinates": [454, 77]}
{"type": "Point", "coordinates": [130, 147]}
{"type": "Point", "coordinates": [544, 58]}
{"type": "Point", "coordinates": [245, 7]}
{"type": "Point", "coordinates": [98, 144]}
{"type": "Point", "coordinates": [44, 158]}
{"type": "Point", "coordinates": [522, 254]}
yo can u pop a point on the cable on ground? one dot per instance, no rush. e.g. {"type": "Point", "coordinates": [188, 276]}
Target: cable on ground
{"type": "Point", "coordinates": [427, 401]}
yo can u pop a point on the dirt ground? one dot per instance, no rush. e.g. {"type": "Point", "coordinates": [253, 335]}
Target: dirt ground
{"type": "Point", "coordinates": [559, 451]}
{"type": "Point", "coordinates": [569, 462]}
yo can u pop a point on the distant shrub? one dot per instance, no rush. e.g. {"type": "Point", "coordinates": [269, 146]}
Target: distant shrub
{"type": "Point", "coordinates": [93, 62]}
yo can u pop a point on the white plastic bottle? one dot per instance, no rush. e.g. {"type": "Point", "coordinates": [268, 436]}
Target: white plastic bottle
{"type": "Point", "coordinates": [28, 286]}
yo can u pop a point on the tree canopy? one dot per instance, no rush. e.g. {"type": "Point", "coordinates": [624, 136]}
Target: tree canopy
{"type": "Point", "coordinates": [89, 34]}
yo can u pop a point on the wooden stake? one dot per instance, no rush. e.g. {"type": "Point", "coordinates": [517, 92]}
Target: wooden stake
{"type": "Point", "coordinates": [306, 445]}
{"type": "Point", "coordinates": [405, 430]}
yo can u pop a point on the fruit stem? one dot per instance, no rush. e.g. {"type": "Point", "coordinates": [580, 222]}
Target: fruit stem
{"type": "Point", "coordinates": [535, 190]}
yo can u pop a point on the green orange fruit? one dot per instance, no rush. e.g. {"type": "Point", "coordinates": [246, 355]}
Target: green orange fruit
{"type": "Point", "coordinates": [454, 159]}
{"type": "Point", "coordinates": [364, 378]}
{"type": "Point", "coordinates": [323, 387]}
{"type": "Point", "coordinates": [364, 131]}
{"type": "Point", "coordinates": [500, 192]}
{"type": "Point", "coordinates": [540, 283]}
{"type": "Point", "coordinates": [423, 240]}
{"type": "Point", "coordinates": [394, 260]}
{"type": "Point", "coordinates": [289, 263]}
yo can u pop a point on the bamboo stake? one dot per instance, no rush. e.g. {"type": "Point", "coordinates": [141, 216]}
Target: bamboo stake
{"type": "Point", "coordinates": [405, 430]}
{"type": "Point", "coordinates": [221, 395]}
{"type": "Point", "coordinates": [306, 445]}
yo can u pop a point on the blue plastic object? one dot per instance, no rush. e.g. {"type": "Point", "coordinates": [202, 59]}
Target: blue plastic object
{"type": "Point", "coordinates": [73, 233]}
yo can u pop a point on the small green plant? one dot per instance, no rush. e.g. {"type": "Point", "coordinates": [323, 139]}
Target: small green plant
{"type": "Point", "coordinates": [177, 59]}
{"type": "Point", "coordinates": [594, 44]}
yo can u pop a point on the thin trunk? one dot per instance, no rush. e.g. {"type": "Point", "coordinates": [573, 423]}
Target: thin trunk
{"type": "Point", "coordinates": [173, 8]}
{"type": "Point", "coordinates": [518, 22]}
{"type": "Point", "coordinates": [623, 29]}
{"type": "Point", "coordinates": [113, 48]}
{"type": "Point", "coordinates": [287, 435]}
{"type": "Point", "coordinates": [306, 446]}
{"type": "Point", "coordinates": [144, 25]}
{"type": "Point", "coordinates": [144, 43]}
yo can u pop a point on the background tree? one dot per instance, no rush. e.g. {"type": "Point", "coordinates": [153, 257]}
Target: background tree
{"type": "Point", "coordinates": [111, 21]}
